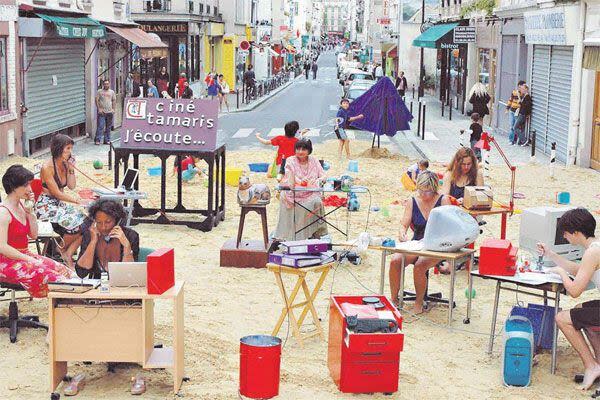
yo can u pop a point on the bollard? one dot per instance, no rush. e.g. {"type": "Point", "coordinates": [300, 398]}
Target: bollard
{"type": "Point", "coordinates": [413, 91]}
{"type": "Point", "coordinates": [462, 138]}
{"type": "Point", "coordinates": [423, 131]}
{"type": "Point", "coordinates": [450, 110]}
{"type": "Point", "coordinates": [552, 159]}
{"type": "Point", "coordinates": [109, 156]}
{"type": "Point", "coordinates": [411, 108]}
{"type": "Point", "coordinates": [237, 97]}
{"type": "Point", "coordinates": [533, 136]}
{"type": "Point", "coordinates": [486, 162]}
{"type": "Point", "coordinates": [442, 107]}
{"type": "Point", "coordinates": [419, 120]}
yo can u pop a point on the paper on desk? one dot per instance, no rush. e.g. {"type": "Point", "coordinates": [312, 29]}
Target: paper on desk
{"type": "Point", "coordinates": [411, 245]}
{"type": "Point", "coordinates": [79, 281]}
{"type": "Point", "coordinates": [538, 278]}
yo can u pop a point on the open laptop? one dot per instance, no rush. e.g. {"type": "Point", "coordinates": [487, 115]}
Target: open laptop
{"type": "Point", "coordinates": [129, 179]}
{"type": "Point", "coordinates": [127, 274]}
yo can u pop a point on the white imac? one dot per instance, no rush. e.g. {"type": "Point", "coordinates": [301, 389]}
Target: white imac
{"type": "Point", "coordinates": [540, 224]}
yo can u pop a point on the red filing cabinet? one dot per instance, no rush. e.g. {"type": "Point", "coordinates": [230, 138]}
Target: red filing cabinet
{"type": "Point", "coordinates": [363, 362]}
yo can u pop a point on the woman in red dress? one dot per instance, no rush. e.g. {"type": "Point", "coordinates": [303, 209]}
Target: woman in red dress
{"type": "Point", "coordinates": [18, 223]}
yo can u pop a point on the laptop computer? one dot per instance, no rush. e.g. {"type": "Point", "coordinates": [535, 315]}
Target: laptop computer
{"type": "Point", "coordinates": [127, 274]}
{"type": "Point", "coordinates": [127, 183]}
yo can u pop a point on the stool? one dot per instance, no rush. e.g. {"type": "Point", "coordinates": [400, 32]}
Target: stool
{"type": "Point", "coordinates": [308, 305]}
{"type": "Point", "coordinates": [262, 211]}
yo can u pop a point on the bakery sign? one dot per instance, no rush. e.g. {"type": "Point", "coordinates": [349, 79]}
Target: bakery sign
{"type": "Point", "coordinates": [164, 28]}
{"type": "Point", "coordinates": [546, 26]}
{"type": "Point", "coordinates": [175, 124]}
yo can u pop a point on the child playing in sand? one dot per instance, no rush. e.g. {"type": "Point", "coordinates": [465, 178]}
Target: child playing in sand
{"type": "Point", "coordinates": [285, 144]}
{"type": "Point", "coordinates": [476, 131]}
{"type": "Point", "coordinates": [185, 164]}
{"type": "Point", "coordinates": [409, 178]}
{"type": "Point", "coordinates": [343, 120]}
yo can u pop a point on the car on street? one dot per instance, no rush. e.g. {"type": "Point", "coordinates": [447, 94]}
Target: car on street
{"type": "Point", "coordinates": [351, 75]}
{"type": "Point", "coordinates": [358, 88]}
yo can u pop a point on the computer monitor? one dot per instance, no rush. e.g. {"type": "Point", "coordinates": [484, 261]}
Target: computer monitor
{"type": "Point", "coordinates": [129, 179]}
{"type": "Point", "coordinates": [540, 225]}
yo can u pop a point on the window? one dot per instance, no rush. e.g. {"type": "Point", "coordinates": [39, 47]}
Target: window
{"type": "Point", "coordinates": [191, 7]}
{"type": "Point", "coordinates": [158, 5]}
{"type": "Point", "coordinates": [201, 8]}
{"type": "Point", "coordinates": [3, 76]}
{"type": "Point", "coordinates": [207, 9]}
{"type": "Point", "coordinates": [216, 11]}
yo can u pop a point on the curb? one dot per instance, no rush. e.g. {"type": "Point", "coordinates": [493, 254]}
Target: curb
{"type": "Point", "coordinates": [260, 101]}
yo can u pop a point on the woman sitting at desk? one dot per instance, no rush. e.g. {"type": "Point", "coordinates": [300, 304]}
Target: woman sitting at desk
{"type": "Point", "coordinates": [579, 227]}
{"type": "Point", "coordinates": [17, 224]}
{"type": "Point", "coordinates": [462, 171]}
{"type": "Point", "coordinates": [415, 216]}
{"type": "Point", "coordinates": [54, 204]}
{"type": "Point", "coordinates": [301, 171]}
{"type": "Point", "coordinates": [106, 240]}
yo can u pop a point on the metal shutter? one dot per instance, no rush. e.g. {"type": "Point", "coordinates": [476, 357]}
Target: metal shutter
{"type": "Point", "coordinates": [54, 107]}
{"type": "Point", "coordinates": [561, 69]}
{"type": "Point", "coordinates": [507, 79]}
{"type": "Point", "coordinates": [540, 75]}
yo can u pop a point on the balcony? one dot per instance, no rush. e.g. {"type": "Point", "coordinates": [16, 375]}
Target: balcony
{"type": "Point", "coordinates": [158, 5]}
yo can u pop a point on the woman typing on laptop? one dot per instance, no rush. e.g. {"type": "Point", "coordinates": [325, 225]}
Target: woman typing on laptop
{"type": "Point", "coordinates": [106, 240]}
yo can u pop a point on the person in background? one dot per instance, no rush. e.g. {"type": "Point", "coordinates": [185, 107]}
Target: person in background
{"type": "Point", "coordinates": [107, 240]}
{"type": "Point", "coordinates": [343, 120]}
{"type": "Point", "coordinates": [106, 103]}
{"type": "Point", "coordinates": [512, 105]}
{"type": "Point", "coordinates": [285, 144]}
{"type": "Point", "coordinates": [417, 168]}
{"type": "Point", "coordinates": [250, 81]}
{"type": "Point", "coordinates": [462, 171]}
{"type": "Point", "coordinates": [56, 206]}
{"type": "Point", "coordinates": [523, 115]}
{"type": "Point", "coordinates": [18, 224]}
{"type": "Point", "coordinates": [476, 131]}
{"type": "Point", "coordinates": [213, 86]}
{"type": "Point", "coordinates": [306, 68]}
{"type": "Point", "coordinates": [224, 90]}
{"type": "Point", "coordinates": [129, 85]}
{"type": "Point", "coordinates": [416, 214]}
{"type": "Point", "coordinates": [578, 227]}
{"type": "Point", "coordinates": [401, 84]}
{"type": "Point", "coordinates": [188, 93]}
{"type": "Point", "coordinates": [162, 80]}
{"type": "Point", "coordinates": [152, 90]}
{"type": "Point", "coordinates": [314, 69]}
{"type": "Point", "coordinates": [181, 84]}
{"type": "Point", "coordinates": [479, 98]}
{"type": "Point", "coordinates": [378, 72]}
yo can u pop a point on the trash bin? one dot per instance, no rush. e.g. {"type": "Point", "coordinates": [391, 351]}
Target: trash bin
{"type": "Point", "coordinates": [260, 357]}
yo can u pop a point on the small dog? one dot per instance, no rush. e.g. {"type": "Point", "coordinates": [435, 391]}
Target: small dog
{"type": "Point", "coordinates": [249, 194]}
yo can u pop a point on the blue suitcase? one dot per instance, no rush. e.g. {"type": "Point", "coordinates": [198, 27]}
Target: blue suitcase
{"type": "Point", "coordinates": [517, 360]}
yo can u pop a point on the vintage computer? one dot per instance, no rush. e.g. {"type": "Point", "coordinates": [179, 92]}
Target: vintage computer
{"type": "Point", "coordinates": [540, 225]}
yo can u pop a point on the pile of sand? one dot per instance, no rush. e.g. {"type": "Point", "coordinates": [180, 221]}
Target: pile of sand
{"type": "Point", "coordinates": [222, 304]}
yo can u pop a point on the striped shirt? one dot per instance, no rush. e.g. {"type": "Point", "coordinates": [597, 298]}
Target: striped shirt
{"type": "Point", "coordinates": [514, 102]}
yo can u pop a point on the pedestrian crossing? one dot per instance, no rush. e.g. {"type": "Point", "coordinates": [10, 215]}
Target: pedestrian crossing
{"type": "Point", "coordinates": [242, 133]}
{"type": "Point", "coordinates": [312, 133]}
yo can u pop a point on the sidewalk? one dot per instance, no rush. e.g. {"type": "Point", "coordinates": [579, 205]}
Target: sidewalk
{"type": "Point", "coordinates": [442, 136]}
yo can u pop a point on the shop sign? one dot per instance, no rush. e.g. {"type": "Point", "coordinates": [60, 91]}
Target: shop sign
{"type": "Point", "coordinates": [465, 34]}
{"type": "Point", "coordinates": [175, 124]}
{"type": "Point", "coordinates": [449, 46]}
{"type": "Point", "coordinates": [545, 26]}
{"type": "Point", "coordinates": [383, 21]}
{"type": "Point", "coordinates": [283, 28]}
{"type": "Point", "coordinates": [8, 13]}
{"type": "Point", "coordinates": [164, 28]}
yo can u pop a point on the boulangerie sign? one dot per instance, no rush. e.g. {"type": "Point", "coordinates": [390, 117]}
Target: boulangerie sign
{"type": "Point", "coordinates": [177, 124]}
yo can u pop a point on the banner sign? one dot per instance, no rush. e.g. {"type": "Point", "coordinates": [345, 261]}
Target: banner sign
{"type": "Point", "coordinates": [176, 124]}
{"type": "Point", "coordinates": [465, 34]}
{"type": "Point", "coordinates": [545, 26]}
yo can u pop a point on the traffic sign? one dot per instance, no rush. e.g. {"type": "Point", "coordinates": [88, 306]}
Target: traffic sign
{"type": "Point", "coordinates": [244, 45]}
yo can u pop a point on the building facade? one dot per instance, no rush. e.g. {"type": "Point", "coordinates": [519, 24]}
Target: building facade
{"type": "Point", "coordinates": [10, 104]}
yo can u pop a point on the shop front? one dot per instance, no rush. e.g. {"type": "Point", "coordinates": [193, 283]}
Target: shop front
{"type": "Point", "coordinates": [10, 123]}
{"type": "Point", "coordinates": [54, 76]}
{"type": "Point", "coordinates": [486, 51]}
{"type": "Point", "coordinates": [590, 101]}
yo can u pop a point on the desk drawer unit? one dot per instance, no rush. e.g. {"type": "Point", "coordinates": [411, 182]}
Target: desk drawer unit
{"type": "Point", "coordinates": [101, 333]}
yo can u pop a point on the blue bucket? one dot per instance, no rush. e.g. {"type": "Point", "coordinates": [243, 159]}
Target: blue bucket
{"type": "Point", "coordinates": [154, 171]}
{"type": "Point", "coordinates": [563, 197]}
{"type": "Point", "coordinates": [258, 167]}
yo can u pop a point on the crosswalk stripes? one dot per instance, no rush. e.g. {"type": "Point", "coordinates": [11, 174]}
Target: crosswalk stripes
{"type": "Point", "coordinates": [242, 133]}
{"type": "Point", "coordinates": [430, 136]}
{"type": "Point", "coordinates": [276, 132]}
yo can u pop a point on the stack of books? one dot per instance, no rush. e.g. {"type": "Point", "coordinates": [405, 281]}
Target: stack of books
{"type": "Point", "coordinates": [303, 253]}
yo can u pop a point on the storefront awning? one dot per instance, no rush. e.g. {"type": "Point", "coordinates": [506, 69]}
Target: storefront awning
{"type": "Point", "coordinates": [149, 46]}
{"type": "Point", "coordinates": [76, 27]}
{"type": "Point", "coordinates": [591, 58]}
{"type": "Point", "coordinates": [431, 36]}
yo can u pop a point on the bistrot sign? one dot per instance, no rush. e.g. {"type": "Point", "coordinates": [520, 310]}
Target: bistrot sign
{"type": "Point", "coordinates": [177, 124]}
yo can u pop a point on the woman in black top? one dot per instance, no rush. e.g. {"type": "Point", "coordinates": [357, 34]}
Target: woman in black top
{"type": "Point", "coordinates": [480, 98]}
{"type": "Point", "coordinates": [106, 240]}
{"type": "Point", "coordinates": [524, 113]}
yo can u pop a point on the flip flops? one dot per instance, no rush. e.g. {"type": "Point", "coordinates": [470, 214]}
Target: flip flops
{"type": "Point", "coordinates": [76, 384]}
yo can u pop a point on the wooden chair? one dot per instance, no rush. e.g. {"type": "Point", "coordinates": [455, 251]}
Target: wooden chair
{"type": "Point", "coordinates": [262, 211]}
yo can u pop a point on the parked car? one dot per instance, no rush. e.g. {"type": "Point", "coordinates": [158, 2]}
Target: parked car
{"type": "Point", "coordinates": [352, 75]}
{"type": "Point", "coordinates": [357, 89]}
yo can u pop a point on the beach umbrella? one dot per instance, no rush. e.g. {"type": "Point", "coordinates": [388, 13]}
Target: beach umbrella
{"type": "Point", "coordinates": [384, 110]}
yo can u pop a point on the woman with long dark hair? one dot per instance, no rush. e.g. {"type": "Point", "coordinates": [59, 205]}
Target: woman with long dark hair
{"type": "Point", "coordinates": [462, 171]}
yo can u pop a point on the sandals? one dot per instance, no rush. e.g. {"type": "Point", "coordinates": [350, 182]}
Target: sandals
{"type": "Point", "coordinates": [76, 384]}
{"type": "Point", "coordinates": [138, 385]}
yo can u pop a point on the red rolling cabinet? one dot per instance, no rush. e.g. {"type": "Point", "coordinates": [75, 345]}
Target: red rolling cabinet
{"type": "Point", "coordinates": [363, 362]}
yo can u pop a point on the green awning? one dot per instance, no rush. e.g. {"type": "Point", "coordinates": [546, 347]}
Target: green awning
{"type": "Point", "coordinates": [431, 36]}
{"type": "Point", "coordinates": [76, 28]}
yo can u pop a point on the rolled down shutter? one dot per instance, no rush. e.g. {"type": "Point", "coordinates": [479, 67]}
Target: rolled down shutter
{"type": "Point", "coordinates": [55, 86]}
{"type": "Point", "coordinates": [540, 76]}
{"type": "Point", "coordinates": [561, 69]}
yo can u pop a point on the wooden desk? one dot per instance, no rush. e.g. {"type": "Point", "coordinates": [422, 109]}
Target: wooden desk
{"type": "Point", "coordinates": [493, 211]}
{"type": "Point", "coordinates": [452, 258]}
{"type": "Point", "coordinates": [113, 332]}
{"type": "Point", "coordinates": [308, 305]}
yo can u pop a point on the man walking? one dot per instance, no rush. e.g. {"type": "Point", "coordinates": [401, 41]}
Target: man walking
{"type": "Point", "coordinates": [524, 113]}
{"type": "Point", "coordinates": [512, 105]}
{"type": "Point", "coordinates": [314, 68]}
{"type": "Point", "coordinates": [106, 102]}
{"type": "Point", "coordinates": [378, 72]}
{"type": "Point", "coordinates": [401, 84]}
{"type": "Point", "coordinates": [250, 82]}
{"type": "Point", "coordinates": [306, 68]}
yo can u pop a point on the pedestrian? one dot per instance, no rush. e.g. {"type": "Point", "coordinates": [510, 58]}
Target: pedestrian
{"type": "Point", "coordinates": [476, 130]}
{"type": "Point", "coordinates": [512, 105]}
{"type": "Point", "coordinates": [314, 68]}
{"type": "Point", "coordinates": [162, 80]}
{"type": "Point", "coordinates": [180, 84]}
{"type": "Point", "coordinates": [523, 115]}
{"type": "Point", "coordinates": [285, 145]}
{"type": "Point", "coordinates": [306, 68]}
{"type": "Point", "coordinates": [401, 84]}
{"type": "Point", "coordinates": [213, 86]}
{"type": "Point", "coordinates": [250, 81]}
{"type": "Point", "coordinates": [479, 98]}
{"type": "Point", "coordinates": [343, 120]}
{"type": "Point", "coordinates": [106, 102]}
{"type": "Point", "coordinates": [188, 93]}
{"type": "Point", "coordinates": [378, 72]}
{"type": "Point", "coordinates": [152, 90]}
{"type": "Point", "coordinates": [223, 92]}
{"type": "Point", "coordinates": [129, 85]}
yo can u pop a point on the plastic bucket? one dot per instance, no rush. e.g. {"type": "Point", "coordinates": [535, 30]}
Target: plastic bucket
{"type": "Point", "coordinates": [563, 197]}
{"type": "Point", "coordinates": [154, 171]}
{"type": "Point", "coordinates": [258, 167]}
{"type": "Point", "coordinates": [260, 357]}
{"type": "Point", "coordinates": [232, 176]}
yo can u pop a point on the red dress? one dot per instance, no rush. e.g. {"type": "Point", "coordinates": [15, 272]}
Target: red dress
{"type": "Point", "coordinates": [33, 277]}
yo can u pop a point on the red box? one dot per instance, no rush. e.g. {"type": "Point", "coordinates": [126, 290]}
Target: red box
{"type": "Point", "coordinates": [497, 257]}
{"type": "Point", "coordinates": [160, 270]}
{"type": "Point", "coordinates": [363, 362]}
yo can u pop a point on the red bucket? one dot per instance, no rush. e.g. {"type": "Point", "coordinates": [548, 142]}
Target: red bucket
{"type": "Point", "coordinates": [260, 357]}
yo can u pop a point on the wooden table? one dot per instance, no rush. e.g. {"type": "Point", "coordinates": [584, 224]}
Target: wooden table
{"type": "Point", "coordinates": [452, 258]}
{"type": "Point", "coordinates": [308, 305]}
{"type": "Point", "coordinates": [551, 285]}
{"type": "Point", "coordinates": [118, 328]}
{"type": "Point", "coordinates": [493, 211]}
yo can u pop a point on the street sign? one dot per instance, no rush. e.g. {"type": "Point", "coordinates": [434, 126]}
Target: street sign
{"type": "Point", "coordinates": [465, 34]}
{"type": "Point", "coordinates": [244, 45]}
{"type": "Point", "coordinates": [243, 53]}
{"type": "Point", "coordinates": [383, 21]}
